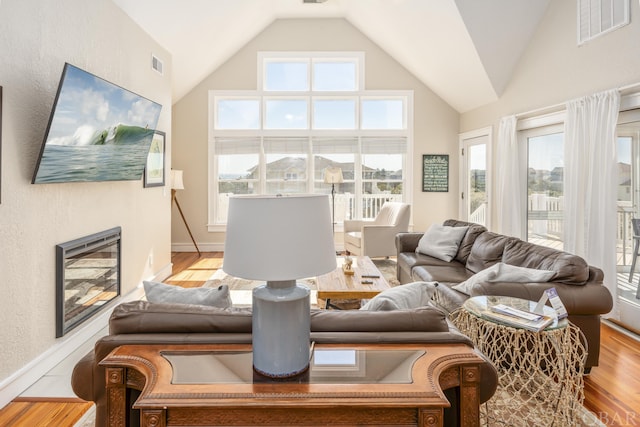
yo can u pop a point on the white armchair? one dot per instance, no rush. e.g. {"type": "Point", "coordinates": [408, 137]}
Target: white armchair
{"type": "Point", "coordinates": [376, 238]}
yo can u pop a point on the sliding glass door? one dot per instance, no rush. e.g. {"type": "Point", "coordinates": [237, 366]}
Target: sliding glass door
{"type": "Point", "coordinates": [545, 188]}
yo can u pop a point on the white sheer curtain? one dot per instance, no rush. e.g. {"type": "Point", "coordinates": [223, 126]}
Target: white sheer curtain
{"type": "Point", "coordinates": [509, 178]}
{"type": "Point", "coordinates": [590, 175]}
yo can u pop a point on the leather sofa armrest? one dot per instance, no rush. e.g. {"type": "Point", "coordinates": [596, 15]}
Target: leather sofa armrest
{"type": "Point", "coordinates": [82, 381]}
{"type": "Point", "coordinates": [407, 242]}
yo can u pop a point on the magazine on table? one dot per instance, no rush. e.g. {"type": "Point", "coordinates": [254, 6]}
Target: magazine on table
{"type": "Point", "coordinates": [512, 316]}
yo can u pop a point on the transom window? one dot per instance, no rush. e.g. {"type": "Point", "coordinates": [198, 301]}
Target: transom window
{"type": "Point", "coordinates": [309, 113]}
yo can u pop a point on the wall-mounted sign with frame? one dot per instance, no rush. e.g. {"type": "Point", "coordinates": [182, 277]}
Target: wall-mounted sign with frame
{"type": "Point", "coordinates": [435, 173]}
{"type": "Point", "coordinates": [154, 170]}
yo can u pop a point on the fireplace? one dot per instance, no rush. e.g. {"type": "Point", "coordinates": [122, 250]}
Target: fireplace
{"type": "Point", "coordinates": [87, 277]}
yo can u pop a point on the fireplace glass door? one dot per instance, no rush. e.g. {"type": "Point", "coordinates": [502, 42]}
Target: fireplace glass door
{"type": "Point", "coordinates": [88, 277]}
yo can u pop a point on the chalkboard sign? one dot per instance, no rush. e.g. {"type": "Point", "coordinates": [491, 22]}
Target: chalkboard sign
{"type": "Point", "coordinates": [435, 173]}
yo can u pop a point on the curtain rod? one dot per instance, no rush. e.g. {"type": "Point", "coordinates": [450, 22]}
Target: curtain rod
{"type": "Point", "coordinates": [549, 109]}
{"type": "Point", "coordinates": [556, 107]}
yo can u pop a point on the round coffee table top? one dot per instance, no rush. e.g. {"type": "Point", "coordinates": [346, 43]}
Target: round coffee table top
{"type": "Point", "coordinates": [479, 305]}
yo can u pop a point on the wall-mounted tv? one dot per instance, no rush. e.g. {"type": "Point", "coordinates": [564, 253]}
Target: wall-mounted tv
{"type": "Point", "coordinates": [97, 131]}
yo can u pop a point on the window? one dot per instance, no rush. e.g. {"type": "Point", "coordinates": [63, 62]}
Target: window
{"type": "Point", "coordinates": [545, 185]}
{"type": "Point", "coordinates": [310, 113]}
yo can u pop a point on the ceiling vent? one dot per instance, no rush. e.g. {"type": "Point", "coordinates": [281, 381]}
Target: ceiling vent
{"type": "Point", "coordinates": [156, 64]}
{"type": "Point", "coordinates": [313, 1]}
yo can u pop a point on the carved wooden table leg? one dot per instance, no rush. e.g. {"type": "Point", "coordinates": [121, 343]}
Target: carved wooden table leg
{"type": "Point", "coordinates": [116, 396]}
{"type": "Point", "coordinates": [470, 396]}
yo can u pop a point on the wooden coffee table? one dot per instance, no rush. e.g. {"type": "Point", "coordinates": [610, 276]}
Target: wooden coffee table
{"type": "Point", "coordinates": [337, 285]}
{"type": "Point", "coordinates": [214, 385]}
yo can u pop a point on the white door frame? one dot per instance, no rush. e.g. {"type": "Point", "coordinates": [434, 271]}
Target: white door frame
{"type": "Point", "coordinates": [466, 140]}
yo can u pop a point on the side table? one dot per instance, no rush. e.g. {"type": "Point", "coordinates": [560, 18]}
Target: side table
{"type": "Point", "coordinates": [540, 374]}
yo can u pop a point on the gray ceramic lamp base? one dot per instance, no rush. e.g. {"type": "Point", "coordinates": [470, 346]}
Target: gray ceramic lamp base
{"type": "Point", "coordinates": [281, 329]}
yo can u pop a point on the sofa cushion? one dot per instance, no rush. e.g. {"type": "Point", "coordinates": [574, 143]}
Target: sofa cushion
{"type": "Point", "coordinates": [441, 241]}
{"type": "Point", "coordinates": [502, 272]}
{"type": "Point", "coordinates": [403, 297]}
{"type": "Point", "coordinates": [163, 293]}
{"type": "Point", "coordinates": [141, 317]}
{"type": "Point", "coordinates": [487, 250]}
{"type": "Point", "coordinates": [469, 238]}
{"type": "Point", "coordinates": [569, 268]}
{"type": "Point", "coordinates": [455, 272]}
{"type": "Point", "coordinates": [423, 319]}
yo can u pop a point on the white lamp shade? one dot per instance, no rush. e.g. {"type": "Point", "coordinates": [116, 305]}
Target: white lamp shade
{"type": "Point", "coordinates": [333, 175]}
{"type": "Point", "coordinates": [279, 238]}
{"type": "Point", "coordinates": [176, 180]}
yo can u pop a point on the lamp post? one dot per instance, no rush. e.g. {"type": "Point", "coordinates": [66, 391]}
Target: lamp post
{"type": "Point", "coordinates": [333, 176]}
{"type": "Point", "coordinates": [178, 184]}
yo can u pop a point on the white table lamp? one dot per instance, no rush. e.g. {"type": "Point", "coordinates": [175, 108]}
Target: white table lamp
{"type": "Point", "coordinates": [279, 239]}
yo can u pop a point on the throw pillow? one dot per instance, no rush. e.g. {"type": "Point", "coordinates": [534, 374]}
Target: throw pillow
{"type": "Point", "coordinates": [163, 293]}
{"type": "Point", "coordinates": [441, 241]}
{"type": "Point", "coordinates": [502, 272]}
{"type": "Point", "coordinates": [402, 297]}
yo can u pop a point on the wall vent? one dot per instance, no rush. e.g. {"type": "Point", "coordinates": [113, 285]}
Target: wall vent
{"type": "Point", "coordinates": [156, 64]}
{"type": "Point", "coordinates": [598, 17]}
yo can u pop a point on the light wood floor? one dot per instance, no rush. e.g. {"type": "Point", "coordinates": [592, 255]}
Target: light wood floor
{"type": "Point", "coordinates": [612, 390]}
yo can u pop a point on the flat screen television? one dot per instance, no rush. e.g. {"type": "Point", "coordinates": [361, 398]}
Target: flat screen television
{"type": "Point", "coordinates": [97, 131]}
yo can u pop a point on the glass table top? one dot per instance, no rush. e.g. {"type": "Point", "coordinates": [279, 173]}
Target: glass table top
{"type": "Point", "coordinates": [479, 305]}
{"type": "Point", "coordinates": [327, 366]}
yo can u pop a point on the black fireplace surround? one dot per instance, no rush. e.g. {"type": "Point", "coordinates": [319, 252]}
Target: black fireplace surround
{"type": "Point", "coordinates": [87, 277]}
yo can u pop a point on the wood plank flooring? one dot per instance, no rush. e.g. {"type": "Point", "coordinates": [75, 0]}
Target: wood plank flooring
{"type": "Point", "coordinates": [612, 390]}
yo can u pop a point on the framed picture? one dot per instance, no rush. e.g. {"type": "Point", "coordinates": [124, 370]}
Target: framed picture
{"type": "Point", "coordinates": [435, 173]}
{"type": "Point", "coordinates": [154, 170]}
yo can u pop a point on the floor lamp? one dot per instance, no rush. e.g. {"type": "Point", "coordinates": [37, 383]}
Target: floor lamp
{"type": "Point", "coordinates": [333, 176]}
{"type": "Point", "coordinates": [177, 184]}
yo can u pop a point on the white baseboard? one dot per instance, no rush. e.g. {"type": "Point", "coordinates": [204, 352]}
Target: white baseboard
{"type": "Point", "coordinates": [25, 377]}
{"type": "Point", "coordinates": [204, 247]}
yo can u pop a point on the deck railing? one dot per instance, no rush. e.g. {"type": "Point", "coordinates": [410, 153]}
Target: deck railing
{"type": "Point", "coordinates": [345, 205]}
{"type": "Point", "coordinates": [479, 216]}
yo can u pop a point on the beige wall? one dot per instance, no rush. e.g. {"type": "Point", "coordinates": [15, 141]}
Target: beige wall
{"type": "Point", "coordinates": [36, 38]}
{"type": "Point", "coordinates": [435, 129]}
{"type": "Point", "coordinates": [554, 69]}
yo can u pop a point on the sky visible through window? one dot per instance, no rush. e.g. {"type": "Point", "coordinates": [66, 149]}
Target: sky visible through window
{"type": "Point", "coordinates": [548, 153]}
{"type": "Point", "coordinates": [337, 111]}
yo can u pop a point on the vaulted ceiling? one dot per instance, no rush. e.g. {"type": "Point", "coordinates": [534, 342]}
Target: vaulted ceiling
{"type": "Point", "coordinates": [463, 50]}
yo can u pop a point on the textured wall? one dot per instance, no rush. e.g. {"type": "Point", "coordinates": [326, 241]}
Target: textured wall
{"type": "Point", "coordinates": [36, 38]}
{"type": "Point", "coordinates": [435, 127]}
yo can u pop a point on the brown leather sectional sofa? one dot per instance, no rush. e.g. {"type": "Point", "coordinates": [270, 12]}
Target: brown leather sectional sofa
{"type": "Point", "coordinates": [579, 285]}
{"type": "Point", "coordinates": [141, 322]}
